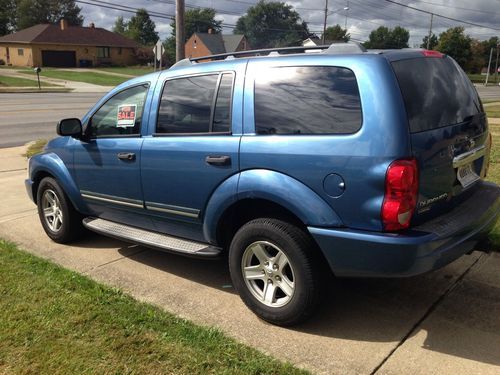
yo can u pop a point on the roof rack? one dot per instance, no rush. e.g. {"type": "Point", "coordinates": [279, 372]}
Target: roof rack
{"type": "Point", "coordinates": [334, 48]}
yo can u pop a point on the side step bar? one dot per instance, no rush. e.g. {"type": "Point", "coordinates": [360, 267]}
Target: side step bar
{"type": "Point", "coordinates": [151, 239]}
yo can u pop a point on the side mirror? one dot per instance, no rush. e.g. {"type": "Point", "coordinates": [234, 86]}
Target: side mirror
{"type": "Point", "coordinates": [70, 127]}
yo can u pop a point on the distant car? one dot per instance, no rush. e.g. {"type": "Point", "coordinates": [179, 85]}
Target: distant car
{"type": "Point", "coordinates": [365, 163]}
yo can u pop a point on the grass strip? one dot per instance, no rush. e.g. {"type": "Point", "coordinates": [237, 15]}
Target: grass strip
{"type": "Point", "coordinates": [131, 71]}
{"type": "Point", "coordinates": [35, 147]}
{"type": "Point", "coordinates": [58, 321]}
{"type": "Point", "coordinates": [95, 78]}
{"type": "Point", "coordinates": [6, 81]}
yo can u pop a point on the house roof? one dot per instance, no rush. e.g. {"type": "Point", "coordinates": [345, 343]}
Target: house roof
{"type": "Point", "coordinates": [71, 35]}
{"type": "Point", "coordinates": [219, 43]}
{"type": "Point", "coordinates": [319, 41]}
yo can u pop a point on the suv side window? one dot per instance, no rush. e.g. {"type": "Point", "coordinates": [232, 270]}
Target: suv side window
{"type": "Point", "coordinates": [307, 100]}
{"type": "Point", "coordinates": [120, 115]}
{"type": "Point", "coordinates": [194, 105]}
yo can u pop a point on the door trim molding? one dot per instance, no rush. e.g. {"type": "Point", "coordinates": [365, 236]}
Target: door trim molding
{"type": "Point", "coordinates": [111, 199]}
{"type": "Point", "coordinates": [175, 210]}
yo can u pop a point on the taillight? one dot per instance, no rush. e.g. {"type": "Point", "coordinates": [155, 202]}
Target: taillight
{"type": "Point", "coordinates": [401, 189]}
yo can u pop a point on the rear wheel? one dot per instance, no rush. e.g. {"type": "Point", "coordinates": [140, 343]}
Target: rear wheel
{"type": "Point", "coordinates": [59, 219]}
{"type": "Point", "coordinates": [274, 270]}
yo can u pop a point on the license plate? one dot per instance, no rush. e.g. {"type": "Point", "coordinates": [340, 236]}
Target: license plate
{"type": "Point", "coordinates": [466, 175]}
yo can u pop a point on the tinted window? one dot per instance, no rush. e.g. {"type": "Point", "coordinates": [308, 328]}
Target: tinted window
{"type": "Point", "coordinates": [186, 105]}
{"type": "Point", "coordinates": [120, 115]}
{"type": "Point", "coordinates": [222, 113]}
{"type": "Point", "coordinates": [307, 100]}
{"type": "Point", "coordinates": [436, 92]}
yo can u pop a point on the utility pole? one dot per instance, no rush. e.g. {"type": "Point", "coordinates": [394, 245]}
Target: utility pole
{"type": "Point", "coordinates": [324, 23]}
{"type": "Point", "coordinates": [179, 30]}
{"type": "Point", "coordinates": [489, 66]}
{"type": "Point", "coordinates": [430, 32]}
{"type": "Point", "coordinates": [496, 65]}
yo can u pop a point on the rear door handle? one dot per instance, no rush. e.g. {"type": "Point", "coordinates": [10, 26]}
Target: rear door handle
{"type": "Point", "coordinates": [218, 160]}
{"type": "Point", "coordinates": [126, 156]}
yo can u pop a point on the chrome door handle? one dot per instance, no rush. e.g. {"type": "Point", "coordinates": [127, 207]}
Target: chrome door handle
{"type": "Point", "coordinates": [126, 156]}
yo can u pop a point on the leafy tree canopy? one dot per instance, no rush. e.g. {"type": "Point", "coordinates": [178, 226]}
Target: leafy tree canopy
{"type": "Point", "coordinates": [337, 33]}
{"type": "Point", "coordinates": [455, 43]}
{"type": "Point", "coordinates": [32, 12]}
{"type": "Point", "coordinates": [385, 38]}
{"type": "Point", "coordinates": [272, 24]}
{"type": "Point", "coordinates": [433, 41]}
{"type": "Point", "coordinates": [142, 29]}
{"type": "Point", "coordinates": [120, 26]}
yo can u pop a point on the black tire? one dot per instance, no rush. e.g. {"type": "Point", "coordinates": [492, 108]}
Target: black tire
{"type": "Point", "coordinates": [71, 226]}
{"type": "Point", "coordinates": [300, 253]}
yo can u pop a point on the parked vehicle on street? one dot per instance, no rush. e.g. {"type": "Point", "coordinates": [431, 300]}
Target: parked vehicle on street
{"type": "Point", "coordinates": [360, 163]}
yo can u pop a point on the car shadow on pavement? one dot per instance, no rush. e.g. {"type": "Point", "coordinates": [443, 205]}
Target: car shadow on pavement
{"type": "Point", "coordinates": [375, 310]}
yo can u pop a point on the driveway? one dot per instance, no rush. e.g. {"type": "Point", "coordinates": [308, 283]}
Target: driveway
{"type": "Point", "coordinates": [445, 322]}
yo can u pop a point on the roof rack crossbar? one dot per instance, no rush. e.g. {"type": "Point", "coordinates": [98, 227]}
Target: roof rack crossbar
{"type": "Point", "coordinates": [257, 52]}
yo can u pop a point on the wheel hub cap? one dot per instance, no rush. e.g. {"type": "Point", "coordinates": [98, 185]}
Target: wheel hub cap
{"type": "Point", "coordinates": [52, 210]}
{"type": "Point", "coordinates": [268, 274]}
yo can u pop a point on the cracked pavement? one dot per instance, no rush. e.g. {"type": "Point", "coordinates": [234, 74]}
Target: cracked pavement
{"type": "Point", "coordinates": [445, 322]}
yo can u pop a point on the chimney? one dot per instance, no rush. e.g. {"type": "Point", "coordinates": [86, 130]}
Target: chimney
{"type": "Point", "coordinates": [91, 25]}
{"type": "Point", "coordinates": [64, 24]}
{"type": "Point", "coordinates": [210, 31]}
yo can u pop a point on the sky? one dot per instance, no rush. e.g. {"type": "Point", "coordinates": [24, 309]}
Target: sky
{"type": "Point", "coordinates": [361, 17]}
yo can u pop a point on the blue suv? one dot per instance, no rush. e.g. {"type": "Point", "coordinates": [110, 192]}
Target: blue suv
{"type": "Point", "coordinates": [293, 162]}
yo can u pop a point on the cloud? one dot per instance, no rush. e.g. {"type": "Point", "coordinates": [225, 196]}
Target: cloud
{"type": "Point", "coordinates": [362, 17]}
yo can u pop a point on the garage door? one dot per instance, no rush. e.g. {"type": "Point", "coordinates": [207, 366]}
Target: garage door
{"type": "Point", "coordinates": [60, 59]}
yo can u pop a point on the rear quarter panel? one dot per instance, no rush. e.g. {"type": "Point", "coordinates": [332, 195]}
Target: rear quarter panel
{"type": "Point", "coordinates": [360, 158]}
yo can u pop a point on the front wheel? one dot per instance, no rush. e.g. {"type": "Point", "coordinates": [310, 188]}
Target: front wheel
{"type": "Point", "coordinates": [274, 269]}
{"type": "Point", "coordinates": [59, 219]}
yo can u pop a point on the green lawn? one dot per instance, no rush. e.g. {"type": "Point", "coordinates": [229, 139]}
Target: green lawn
{"type": "Point", "coordinates": [58, 321]}
{"type": "Point", "coordinates": [131, 71]}
{"type": "Point", "coordinates": [492, 109]}
{"type": "Point", "coordinates": [6, 81]}
{"type": "Point", "coordinates": [88, 77]}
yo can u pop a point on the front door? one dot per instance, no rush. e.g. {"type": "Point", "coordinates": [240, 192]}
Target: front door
{"type": "Point", "coordinates": [191, 152]}
{"type": "Point", "coordinates": [107, 164]}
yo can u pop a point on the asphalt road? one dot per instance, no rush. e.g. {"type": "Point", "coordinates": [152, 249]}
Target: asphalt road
{"type": "Point", "coordinates": [26, 117]}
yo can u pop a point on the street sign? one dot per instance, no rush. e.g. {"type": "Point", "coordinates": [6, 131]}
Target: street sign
{"type": "Point", "coordinates": [158, 51]}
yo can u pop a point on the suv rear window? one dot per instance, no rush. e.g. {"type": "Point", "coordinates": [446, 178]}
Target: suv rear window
{"type": "Point", "coordinates": [436, 92]}
{"type": "Point", "coordinates": [307, 100]}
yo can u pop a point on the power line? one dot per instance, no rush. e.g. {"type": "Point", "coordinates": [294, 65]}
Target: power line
{"type": "Point", "coordinates": [455, 7]}
{"type": "Point", "coordinates": [440, 15]}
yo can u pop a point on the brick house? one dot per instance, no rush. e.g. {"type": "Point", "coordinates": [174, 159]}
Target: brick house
{"type": "Point", "coordinates": [204, 44]}
{"type": "Point", "coordinates": [62, 45]}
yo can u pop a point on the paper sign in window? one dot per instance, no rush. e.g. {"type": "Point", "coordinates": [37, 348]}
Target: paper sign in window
{"type": "Point", "coordinates": [126, 115]}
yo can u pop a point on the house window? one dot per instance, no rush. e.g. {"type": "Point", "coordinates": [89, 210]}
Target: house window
{"type": "Point", "coordinates": [20, 52]}
{"type": "Point", "coordinates": [119, 50]}
{"type": "Point", "coordinates": [103, 52]}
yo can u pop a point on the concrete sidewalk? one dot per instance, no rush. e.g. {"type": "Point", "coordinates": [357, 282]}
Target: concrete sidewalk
{"type": "Point", "coordinates": [445, 322]}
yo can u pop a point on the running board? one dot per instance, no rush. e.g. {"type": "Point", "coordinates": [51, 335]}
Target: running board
{"type": "Point", "coordinates": [151, 239]}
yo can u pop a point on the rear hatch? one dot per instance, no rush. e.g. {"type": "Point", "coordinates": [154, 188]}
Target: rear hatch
{"type": "Point", "coordinates": [448, 131]}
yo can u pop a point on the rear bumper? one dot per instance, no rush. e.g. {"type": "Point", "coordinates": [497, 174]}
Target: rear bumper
{"type": "Point", "coordinates": [438, 242]}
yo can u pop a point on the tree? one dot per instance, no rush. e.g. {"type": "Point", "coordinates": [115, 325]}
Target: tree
{"type": "Point", "coordinates": [477, 60]}
{"type": "Point", "coordinates": [487, 46]}
{"type": "Point", "coordinates": [33, 12]}
{"type": "Point", "coordinates": [337, 33]}
{"type": "Point", "coordinates": [142, 29]}
{"type": "Point", "coordinates": [433, 41]}
{"type": "Point", "coordinates": [7, 16]}
{"type": "Point", "coordinates": [272, 24]}
{"type": "Point", "coordinates": [120, 26]}
{"type": "Point", "coordinates": [455, 43]}
{"type": "Point", "coordinates": [195, 20]}
{"type": "Point", "coordinates": [385, 38]}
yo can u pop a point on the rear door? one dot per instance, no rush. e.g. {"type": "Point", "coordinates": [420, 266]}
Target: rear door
{"type": "Point", "coordinates": [448, 130]}
{"type": "Point", "coordinates": [192, 150]}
